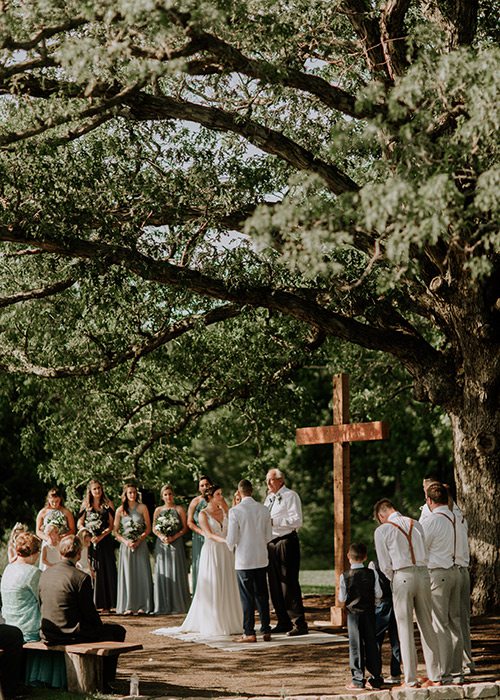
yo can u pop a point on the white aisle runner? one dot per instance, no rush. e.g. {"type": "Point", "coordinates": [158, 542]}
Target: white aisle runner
{"type": "Point", "coordinates": [228, 643]}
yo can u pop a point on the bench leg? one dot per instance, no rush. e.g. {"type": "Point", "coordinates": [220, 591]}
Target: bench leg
{"type": "Point", "coordinates": [84, 672]}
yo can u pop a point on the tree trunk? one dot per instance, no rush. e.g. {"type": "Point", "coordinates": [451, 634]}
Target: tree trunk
{"type": "Point", "coordinates": [476, 440]}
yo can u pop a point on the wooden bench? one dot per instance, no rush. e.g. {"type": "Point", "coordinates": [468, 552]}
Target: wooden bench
{"type": "Point", "coordinates": [84, 662]}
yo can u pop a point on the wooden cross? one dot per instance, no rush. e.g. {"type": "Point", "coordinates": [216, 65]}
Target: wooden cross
{"type": "Point", "coordinates": [340, 434]}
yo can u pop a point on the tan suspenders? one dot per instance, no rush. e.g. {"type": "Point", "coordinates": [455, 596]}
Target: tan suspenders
{"type": "Point", "coordinates": [453, 521]}
{"type": "Point", "coordinates": [408, 537]}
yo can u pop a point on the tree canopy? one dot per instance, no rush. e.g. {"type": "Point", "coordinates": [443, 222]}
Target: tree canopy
{"type": "Point", "coordinates": [196, 197]}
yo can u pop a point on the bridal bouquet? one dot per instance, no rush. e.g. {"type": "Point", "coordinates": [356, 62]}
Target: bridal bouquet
{"type": "Point", "coordinates": [167, 523]}
{"type": "Point", "coordinates": [132, 530]}
{"type": "Point", "coordinates": [55, 517]}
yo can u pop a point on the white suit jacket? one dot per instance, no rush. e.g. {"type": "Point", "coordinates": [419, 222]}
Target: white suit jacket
{"type": "Point", "coordinates": [249, 530]}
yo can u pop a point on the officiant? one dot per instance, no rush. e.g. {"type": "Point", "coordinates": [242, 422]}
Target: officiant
{"type": "Point", "coordinates": [284, 556]}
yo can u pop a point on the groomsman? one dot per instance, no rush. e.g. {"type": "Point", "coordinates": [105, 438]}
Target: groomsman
{"type": "Point", "coordinates": [284, 555]}
{"type": "Point", "coordinates": [441, 530]}
{"type": "Point", "coordinates": [462, 560]}
{"type": "Point", "coordinates": [249, 530]}
{"type": "Point", "coordinates": [402, 557]}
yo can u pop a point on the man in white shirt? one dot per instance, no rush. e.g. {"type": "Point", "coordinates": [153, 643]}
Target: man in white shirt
{"type": "Point", "coordinates": [402, 557]}
{"type": "Point", "coordinates": [284, 555]}
{"type": "Point", "coordinates": [440, 529]}
{"type": "Point", "coordinates": [462, 560]}
{"type": "Point", "coordinates": [249, 530]}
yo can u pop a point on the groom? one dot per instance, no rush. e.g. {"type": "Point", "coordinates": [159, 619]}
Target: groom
{"type": "Point", "coordinates": [249, 531]}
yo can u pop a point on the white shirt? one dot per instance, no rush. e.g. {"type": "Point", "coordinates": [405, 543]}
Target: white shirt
{"type": "Point", "coordinates": [439, 537]}
{"type": "Point", "coordinates": [286, 511]}
{"type": "Point", "coordinates": [462, 557]}
{"type": "Point", "coordinates": [249, 529]}
{"type": "Point", "coordinates": [393, 550]}
{"type": "Point", "coordinates": [343, 587]}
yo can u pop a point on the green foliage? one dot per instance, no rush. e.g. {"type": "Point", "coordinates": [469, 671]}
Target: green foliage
{"type": "Point", "coordinates": [163, 161]}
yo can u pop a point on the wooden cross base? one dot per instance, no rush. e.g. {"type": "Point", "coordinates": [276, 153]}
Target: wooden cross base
{"type": "Point", "coordinates": [338, 616]}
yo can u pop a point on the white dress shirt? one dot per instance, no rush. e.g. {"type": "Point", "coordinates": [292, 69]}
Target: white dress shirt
{"type": "Point", "coordinates": [343, 587]}
{"type": "Point", "coordinates": [393, 549]}
{"type": "Point", "coordinates": [440, 538]}
{"type": "Point", "coordinates": [286, 511]}
{"type": "Point", "coordinates": [462, 557]}
{"type": "Point", "coordinates": [249, 530]}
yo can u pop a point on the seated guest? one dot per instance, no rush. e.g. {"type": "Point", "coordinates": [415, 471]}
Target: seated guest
{"type": "Point", "coordinates": [68, 611]}
{"type": "Point", "coordinates": [19, 588]}
{"type": "Point", "coordinates": [11, 644]}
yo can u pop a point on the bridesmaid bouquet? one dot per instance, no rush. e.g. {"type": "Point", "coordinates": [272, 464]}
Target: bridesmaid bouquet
{"type": "Point", "coordinates": [168, 522]}
{"type": "Point", "coordinates": [55, 517]}
{"type": "Point", "coordinates": [132, 530]}
{"type": "Point", "coordinates": [93, 523]}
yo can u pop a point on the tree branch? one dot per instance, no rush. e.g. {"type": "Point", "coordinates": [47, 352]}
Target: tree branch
{"type": "Point", "coordinates": [407, 345]}
{"type": "Point", "coordinates": [362, 17]}
{"type": "Point", "coordinates": [40, 293]}
{"type": "Point", "coordinates": [392, 36]}
{"type": "Point", "coordinates": [143, 107]}
{"type": "Point", "coordinates": [457, 18]}
{"type": "Point", "coordinates": [135, 352]}
{"type": "Point", "coordinates": [42, 35]}
{"type": "Point", "coordinates": [233, 59]}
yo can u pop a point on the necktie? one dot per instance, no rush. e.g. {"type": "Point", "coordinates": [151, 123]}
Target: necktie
{"type": "Point", "coordinates": [271, 502]}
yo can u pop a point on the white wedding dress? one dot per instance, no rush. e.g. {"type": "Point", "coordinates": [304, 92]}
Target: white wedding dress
{"type": "Point", "coordinates": [216, 607]}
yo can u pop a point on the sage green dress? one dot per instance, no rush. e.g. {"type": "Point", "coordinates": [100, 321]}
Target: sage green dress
{"type": "Point", "coordinates": [135, 582]}
{"type": "Point", "coordinates": [171, 588]}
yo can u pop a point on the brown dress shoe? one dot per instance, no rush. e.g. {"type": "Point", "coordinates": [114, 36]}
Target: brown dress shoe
{"type": "Point", "coordinates": [430, 684]}
{"type": "Point", "coordinates": [246, 638]}
{"type": "Point", "coordinates": [266, 637]}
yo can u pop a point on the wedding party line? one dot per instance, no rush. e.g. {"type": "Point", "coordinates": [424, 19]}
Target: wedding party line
{"type": "Point", "coordinates": [245, 560]}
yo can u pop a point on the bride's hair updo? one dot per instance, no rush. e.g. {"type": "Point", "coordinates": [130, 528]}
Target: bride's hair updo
{"type": "Point", "coordinates": [211, 490]}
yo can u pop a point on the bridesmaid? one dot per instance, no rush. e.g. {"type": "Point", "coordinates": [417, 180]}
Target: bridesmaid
{"type": "Point", "coordinates": [132, 526]}
{"type": "Point", "coordinates": [171, 587]}
{"type": "Point", "coordinates": [197, 505]}
{"type": "Point", "coordinates": [55, 512]}
{"type": "Point", "coordinates": [97, 515]}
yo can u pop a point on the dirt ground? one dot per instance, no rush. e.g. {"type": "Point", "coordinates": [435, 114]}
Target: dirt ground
{"type": "Point", "coordinates": [168, 667]}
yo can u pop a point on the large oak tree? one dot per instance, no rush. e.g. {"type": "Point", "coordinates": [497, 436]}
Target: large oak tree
{"type": "Point", "coordinates": [330, 162]}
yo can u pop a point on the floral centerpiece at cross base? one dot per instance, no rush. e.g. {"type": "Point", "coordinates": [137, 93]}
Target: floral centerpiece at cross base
{"type": "Point", "coordinates": [93, 522]}
{"type": "Point", "coordinates": [55, 517]}
{"type": "Point", "coordinates": [167, 523]}
{"type": "Point", "coordinates": [132, 530]}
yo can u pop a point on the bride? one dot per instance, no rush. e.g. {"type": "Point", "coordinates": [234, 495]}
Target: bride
{"type": "Point", "coordinates": [216, 607]}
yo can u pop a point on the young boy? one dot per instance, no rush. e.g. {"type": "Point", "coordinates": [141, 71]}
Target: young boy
{"type": "Point", "coordinates": [359, 589]}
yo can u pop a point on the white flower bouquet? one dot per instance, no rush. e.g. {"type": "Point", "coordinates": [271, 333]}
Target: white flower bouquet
{"type": "Point", "coordinates": [168, 523]}
{"type": "Point", "coordinates": [55, 517]}
{"type": "Point", "coordinates": [132, 530]}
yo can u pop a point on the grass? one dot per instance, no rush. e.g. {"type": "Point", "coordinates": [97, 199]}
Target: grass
{"type": "Point", "coordinates": [319, 582]}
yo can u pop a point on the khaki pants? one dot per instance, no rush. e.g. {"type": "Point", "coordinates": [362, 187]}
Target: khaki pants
{"type": "Point", "coordinates": [411, 591]}
{"type": "Point", "coordinates": [463, 573]}
{"type": "Point", "coordinates": [445, 593]}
